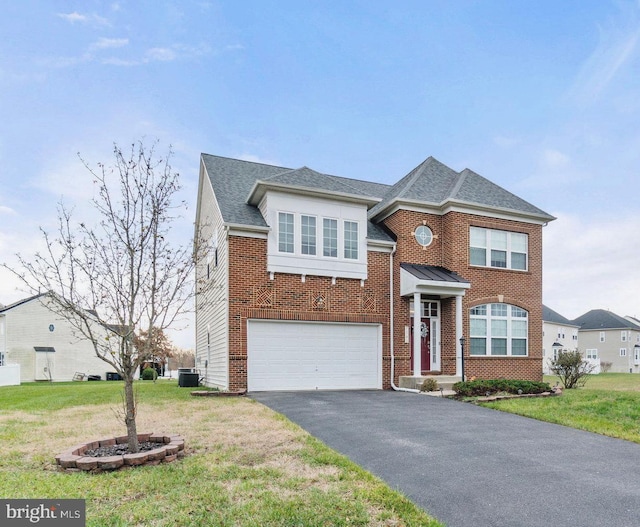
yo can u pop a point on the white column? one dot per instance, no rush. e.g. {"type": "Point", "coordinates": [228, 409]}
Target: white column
{"type": "Point", "coordinates": [458, 335]}
{"type": "Point", "coordinates": [417, 349]}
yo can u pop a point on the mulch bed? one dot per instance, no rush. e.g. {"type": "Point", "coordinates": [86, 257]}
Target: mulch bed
{"type": "Point", "coordinates": [119, 450]}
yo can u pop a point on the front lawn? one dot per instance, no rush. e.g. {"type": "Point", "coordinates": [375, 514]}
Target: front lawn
{"type": "Point", "coordinates": [608, 404]}
{"type": "Point", "coordinates": [245, 465]}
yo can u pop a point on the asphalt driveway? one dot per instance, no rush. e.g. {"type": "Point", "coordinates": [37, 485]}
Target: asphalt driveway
{"type": "Point", "coordinates": [471, 466]}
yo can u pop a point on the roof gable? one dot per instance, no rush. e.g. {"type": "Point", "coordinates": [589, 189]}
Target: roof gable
{"type": "Point", "coordinates": [20, 302]}
{"type": "Point", "coordinates": [239, 185]}
{"type": "Point", "coordinates": [435, 184]}
{"type": "Point", "coordinates": [601, 319]}
{"type": "Point", "coordinates": [549, 315]}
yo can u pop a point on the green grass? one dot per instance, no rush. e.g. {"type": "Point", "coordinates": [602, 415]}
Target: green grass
{"type": "Point", "coordinates": [608, 404]}
{"type": "Point", "coordinates": [280, 476]}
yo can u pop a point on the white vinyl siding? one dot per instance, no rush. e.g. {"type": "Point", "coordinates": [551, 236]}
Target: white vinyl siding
{"type": "Point", "coordinates": [212, 313]}
{"type": "Point", "coordinates": [499, 249]}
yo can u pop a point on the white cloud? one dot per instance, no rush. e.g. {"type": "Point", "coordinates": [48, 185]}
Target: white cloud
{"type": "Point", "coordinates": [79, 18]}
{"type": "Point", "coordinates": [617, 47]}
{"type": "Point", "coordinates": [587, 263]}
{"type": "Point", "coordinates": [6, 210]}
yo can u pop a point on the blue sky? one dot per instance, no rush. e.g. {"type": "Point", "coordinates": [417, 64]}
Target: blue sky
{"type": "Point", "coordinates": [542, 97]}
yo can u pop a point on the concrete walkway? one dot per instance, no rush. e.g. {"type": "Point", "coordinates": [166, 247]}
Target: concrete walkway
{"type": "Point", "coordinates": [471, 466]}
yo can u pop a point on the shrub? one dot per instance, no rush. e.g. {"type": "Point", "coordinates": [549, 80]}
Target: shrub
{"type": "Point", "coordinates": [571, 368]}
{"type": "Point", "coordinates": [429, 385]}
{"type": "Point", "coordinates": [491, 387]}
{"type": "Point", "coordinates": [149, 374]}
{"type": "Point", "coordinates": [605, 366]}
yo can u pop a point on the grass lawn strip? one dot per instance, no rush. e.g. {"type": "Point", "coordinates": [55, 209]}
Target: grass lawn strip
{"type": "Point", "coordinates": [245, 465]}
{"type": "Point", "coordinates": [609, 404]}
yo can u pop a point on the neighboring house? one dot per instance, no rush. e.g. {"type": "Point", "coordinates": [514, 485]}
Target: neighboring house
{"type": "Point", "coordinates": [43, 343]}
{"type": "Point", "coordinates": [610, 338]}
{"type": "Point", "coordinates": [558, 333]}
{"type": "Point", "coordinates": [312, 280]}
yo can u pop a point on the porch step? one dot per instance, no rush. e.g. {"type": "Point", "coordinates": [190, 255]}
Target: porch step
{"type": "Point", "coordinates": [414, 383]}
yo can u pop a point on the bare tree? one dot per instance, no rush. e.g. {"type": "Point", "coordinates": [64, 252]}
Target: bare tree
{"type": "Point", "coordinates": [121, 276]}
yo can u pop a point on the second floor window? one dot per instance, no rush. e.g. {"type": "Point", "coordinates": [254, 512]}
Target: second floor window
{"type": "Point", "coordinates": [308, 225]}
{"type": "Point", "coordinates": [330, 237]}
{"type": "Point", "coordinates": [285, 232]}
{"type": "Point", "coordinates": [351, 240]}
{"type": "Point", "coordinates": [502, 249]}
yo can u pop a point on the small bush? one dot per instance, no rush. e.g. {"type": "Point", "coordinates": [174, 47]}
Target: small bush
{"type": "Point", "coordinates": [491, 387]}
{"type": "Point", "coordinates": [571, 368]}
{"type": "Point", "coordinates": [149, 374]}
{"type": "Point", "coordinates": [429, 385]}
{"type": "Point", "coordinates": [605, 366]}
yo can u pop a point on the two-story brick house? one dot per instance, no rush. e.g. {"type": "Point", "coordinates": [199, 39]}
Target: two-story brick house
{"type": "Point", "coordinates": [312, 279]}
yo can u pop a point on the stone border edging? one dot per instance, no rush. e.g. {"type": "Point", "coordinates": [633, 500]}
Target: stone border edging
{"type": "Point", "coordinates": [74, 459]}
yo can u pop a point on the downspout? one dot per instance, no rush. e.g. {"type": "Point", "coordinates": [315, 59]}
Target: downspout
{"type": "Point", "coordinates": [393, 359]}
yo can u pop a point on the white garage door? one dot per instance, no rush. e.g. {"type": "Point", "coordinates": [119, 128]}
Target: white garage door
{"type": "Point", "coordinates": [313, 356]}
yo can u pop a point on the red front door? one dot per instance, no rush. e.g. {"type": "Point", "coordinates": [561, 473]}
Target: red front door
{"type": "Point", "coordinates": [425, 344]}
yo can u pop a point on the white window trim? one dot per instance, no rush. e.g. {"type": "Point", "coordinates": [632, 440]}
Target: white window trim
{"type": "Point", "coordinates": [623, 352]}
{"type": "Point", "coordinates": [509, 318]}
{"type": "Point", "coordinates": [289, 213]}
{"type": "Point", "coordinates": [602, 336]}
{"type": "Point", "coordinates": [319, 236]}
{"type": "Point", "coordinates": [508, 249]}
{"type": "Point", "coordinates": [591, 353]}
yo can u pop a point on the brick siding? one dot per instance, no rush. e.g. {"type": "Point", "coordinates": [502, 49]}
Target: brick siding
{"type": "Point", "coordinates": [252, 294]}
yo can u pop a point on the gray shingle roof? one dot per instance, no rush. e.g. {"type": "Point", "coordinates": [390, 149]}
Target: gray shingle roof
{"type": "Point", "coordinates": [430, 183]}
{"type": "Point", "coordinates": [549, 315]}
{"type": "Point", "coordinates": [601, 319]}
{"type": "Point", "coordinates": [434, 183]}
{"type": "Point", "coordinates": [20, 302]}
{"type": "Point", "coordinates": [232, 180]}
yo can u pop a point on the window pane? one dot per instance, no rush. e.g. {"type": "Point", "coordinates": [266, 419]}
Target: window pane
{"type": "Point", "coordinates": [519, 328]}
{"type": "Point", "coordinates": [499, 240]}
{"type": "Point", "coordinates": [330, 237]}
{"type": "Point", "coordinates": [478, 327]}
{"type": "Point", "coordinates": [499, 328]}
{"type": "Point", "coordinates": [478, 256]}
{"type": "Point", "coordinates": [308, 231]}
{"type": "Point", "coordinates": [478, 346]}
{"type": "Point", "coordinates": [499, 310]}
{"type": "Point", "coordinates": [498, 258]}
{"type": "Point", "coordinates": [478, 237]}
{"type": "Point", "coordinates": [479, 310]}
{"type": "Point", "coordinates": [518, 312]}
{"type": "Point", "coordinates": [518, 242]}
{"type": "Point", "coordinates": [519, 261]}
{"type": "Point", "coordinates": [498, 346]}
{"type": "Point", "coordinates": [351, 240]}
{"type": "Point", "coordinates": [285, 232]}
{"type": "Point", "coordinates": [519, 347]}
